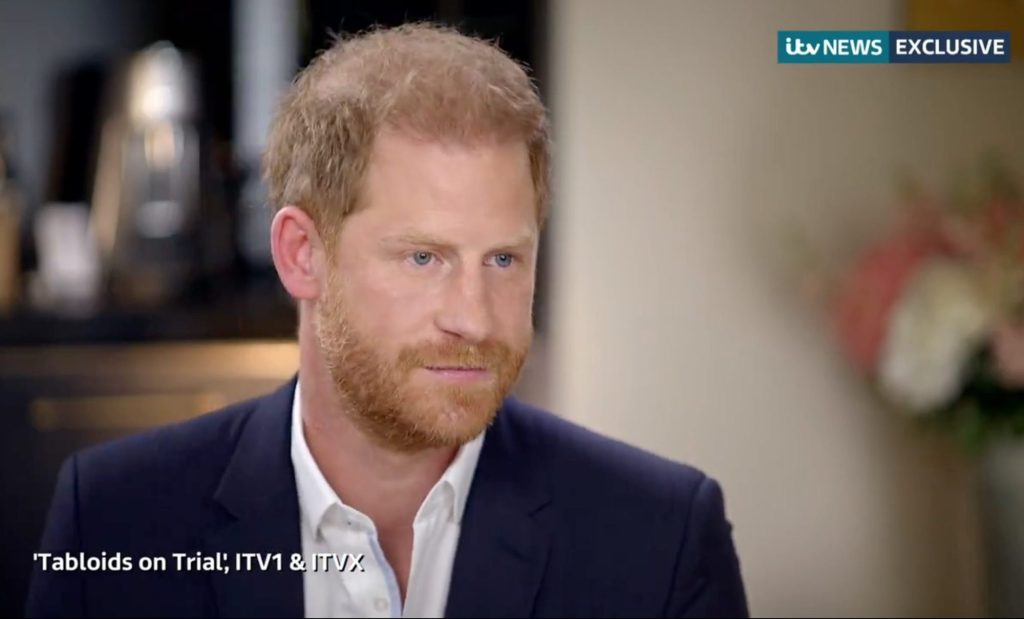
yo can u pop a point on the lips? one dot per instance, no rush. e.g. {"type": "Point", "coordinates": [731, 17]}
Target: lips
{"type": "Point", "coordinates": [457, 373]}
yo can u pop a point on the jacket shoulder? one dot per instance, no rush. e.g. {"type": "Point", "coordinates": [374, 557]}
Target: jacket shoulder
{"type": "Point", "coordinates": [646, 534]}
{"type": "Point", "coordinates": [599, 468]}
{"type": "Point", "coordinates": [183, 456]}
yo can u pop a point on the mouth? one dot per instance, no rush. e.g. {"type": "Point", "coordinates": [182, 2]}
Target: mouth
{"type": "Point", "coordinates": [458, 373]}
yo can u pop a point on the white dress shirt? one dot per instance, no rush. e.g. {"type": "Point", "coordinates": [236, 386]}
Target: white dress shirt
{"type": "Point", "coordinates": [368, 587]}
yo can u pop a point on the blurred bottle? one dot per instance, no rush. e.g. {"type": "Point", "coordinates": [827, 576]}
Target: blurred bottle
{"type": "Point", "coordinates": [12, 211]}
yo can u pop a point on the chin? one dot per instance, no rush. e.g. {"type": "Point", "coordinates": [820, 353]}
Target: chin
{"type": "Point", "coordinates": [456, 418]}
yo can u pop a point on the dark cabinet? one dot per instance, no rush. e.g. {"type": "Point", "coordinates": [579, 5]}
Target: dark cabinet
{"type": "Point", "coordinates": [56, 400]}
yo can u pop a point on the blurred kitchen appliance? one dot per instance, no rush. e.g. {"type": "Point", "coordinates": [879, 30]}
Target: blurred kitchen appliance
{"type": "Point", "coordinates": [67, 281]}
{"type": "Point", "coordinates": [265, 54]}
{"type": "Point", "coordinates": [147, 192]}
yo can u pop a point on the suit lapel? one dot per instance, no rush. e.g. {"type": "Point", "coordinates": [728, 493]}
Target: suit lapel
{"type": "Point", "coordinates": [502, 548]}
{"type": "Point", "coordinates": [257, 512]}
{"type": "Point", "coordinates": [504, 539]}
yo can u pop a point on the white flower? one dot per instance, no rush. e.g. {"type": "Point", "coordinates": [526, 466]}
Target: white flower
{"type": "Point", "coordinates": [934, 328]}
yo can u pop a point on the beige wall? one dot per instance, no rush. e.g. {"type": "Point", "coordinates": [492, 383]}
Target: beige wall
{"type": "Point", "coordinates": [682, 149]}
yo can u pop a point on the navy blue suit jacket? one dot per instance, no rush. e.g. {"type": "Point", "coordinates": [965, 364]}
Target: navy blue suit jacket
{"type": "Point", "coordinates": [560, 521]}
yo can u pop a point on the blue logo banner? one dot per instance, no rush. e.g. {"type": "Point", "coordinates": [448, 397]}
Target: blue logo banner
{"type": "Point", "coordinates": [833, 46]}
{"type": "Point", "coordinates": [892, 46]}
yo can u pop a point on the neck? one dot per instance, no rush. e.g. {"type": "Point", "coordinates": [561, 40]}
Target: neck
{"type": "Point", "coordinates": [387, 485]}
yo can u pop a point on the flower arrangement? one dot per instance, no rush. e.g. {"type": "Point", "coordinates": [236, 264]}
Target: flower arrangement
{"type": "Point", "coordinates": [932, 313]}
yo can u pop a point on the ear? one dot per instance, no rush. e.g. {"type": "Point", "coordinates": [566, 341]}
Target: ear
{"type": "Point", "coordinates": [295, 246]}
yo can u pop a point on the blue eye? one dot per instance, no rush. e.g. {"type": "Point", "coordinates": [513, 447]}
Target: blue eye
{"type": "Point", "coordinates": [503, 260]}
{"type": "Point", "coordinates": [422, 258]}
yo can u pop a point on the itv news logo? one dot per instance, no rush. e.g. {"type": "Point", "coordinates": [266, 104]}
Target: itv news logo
{"type": "Point", "coordinates": [893, 46]}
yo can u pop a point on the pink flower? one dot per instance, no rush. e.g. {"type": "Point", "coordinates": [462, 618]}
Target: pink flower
{"type": "Point", "coordinates": [984, 235]}
{"type": "Point", "coordinates": [869, 291]}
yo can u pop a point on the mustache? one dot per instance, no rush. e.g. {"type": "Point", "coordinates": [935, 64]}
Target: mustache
{"type": "Point", "coordinates": [488, 354]}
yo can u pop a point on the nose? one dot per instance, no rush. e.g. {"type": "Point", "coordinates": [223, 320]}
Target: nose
{"type": "Point", "coordinates": [464, 311]}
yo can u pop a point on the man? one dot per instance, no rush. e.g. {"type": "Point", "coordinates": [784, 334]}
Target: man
{"type": "Point", "coordinates": [394, 476]}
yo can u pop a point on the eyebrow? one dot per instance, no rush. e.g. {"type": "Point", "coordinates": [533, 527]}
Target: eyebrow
{"type": "Point", "coordinates": [426, 240]}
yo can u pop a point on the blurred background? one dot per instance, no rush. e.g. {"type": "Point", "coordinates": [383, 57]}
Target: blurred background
{"type": "Point", "coordinates": [701, 191]}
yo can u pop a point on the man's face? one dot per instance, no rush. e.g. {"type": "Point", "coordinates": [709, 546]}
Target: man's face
{"type": "Point", "coordinates": [426, 318]}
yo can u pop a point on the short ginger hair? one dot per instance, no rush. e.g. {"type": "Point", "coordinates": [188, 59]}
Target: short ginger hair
{"type": "Point", "coordinates": [426, 80]}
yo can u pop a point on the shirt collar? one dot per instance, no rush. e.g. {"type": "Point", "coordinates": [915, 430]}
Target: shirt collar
{"type": "Point", "coordinates": [459, 474]}
{"type": "Point", "coordinates": [316, 496]}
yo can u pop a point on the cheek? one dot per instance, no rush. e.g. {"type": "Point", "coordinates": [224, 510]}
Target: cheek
{"type": "Point", "coordinates": [513, 306]}
{"type": "Point", "coordinates": [387, 308]}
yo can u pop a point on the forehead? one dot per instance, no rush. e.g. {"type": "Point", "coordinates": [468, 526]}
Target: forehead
{"type": "Point", "coordinates": [483, 184]}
